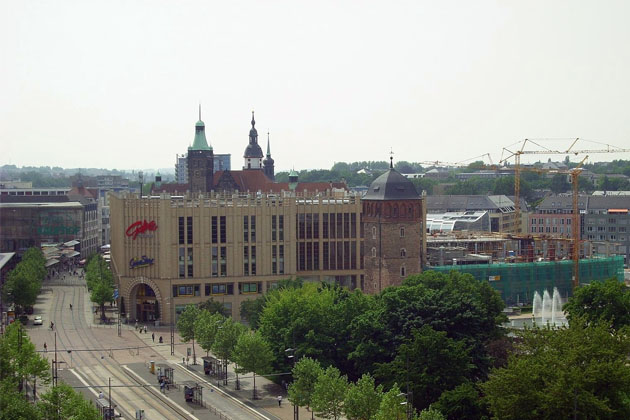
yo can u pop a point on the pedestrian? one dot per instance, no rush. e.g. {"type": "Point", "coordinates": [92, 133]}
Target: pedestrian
{"type": "Point", "coordinates": [145, 329]}
{"type": "Point", "coordinates": [52, 326]}
{"type": "Point", "coordinates": [162, 384]}
{"type": "Point", "coordinates": [101, 395]}
{"type": "Point", "coordinates": [279, 400]}
{"type": "Point", "coordinates": [153, 337]}
{"type": "Point", "coordinates": [161, 341]}
{"type": "Point", "coordinates": [45, 347]}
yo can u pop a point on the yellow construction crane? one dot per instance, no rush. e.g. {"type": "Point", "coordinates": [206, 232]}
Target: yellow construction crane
{"type": "Point", "coordinates": [574, 174]}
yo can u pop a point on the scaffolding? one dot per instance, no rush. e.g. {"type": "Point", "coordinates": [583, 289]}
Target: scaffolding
{"type": "Point", "coordinates": [517, 282]}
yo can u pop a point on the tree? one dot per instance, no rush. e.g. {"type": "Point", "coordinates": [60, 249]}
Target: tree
{"type": "Point", "coordinates": [252, 354]}
{"type": "Point", "coordinates": [432, 414]}
{"type": "Point", "coordinates": [579, 371]}
{"type": "Point", "coordinates": [251, 310]}
{"type": "Point", "coordinates": [225, 341]}
{"type": "Point", "coordinates": [462, 402]}
{"type": "Point", "coordinates": [24, 282]}
{"type": "Point", "coordinates": [18, 359]}
{"type": "Point", "coordinates": [559, 183]}
{"type": "Point", "coordinates": [205, 328]}
{"type": "Point", "coordinates": [214, 307]}
{"type": "Point", "coordinates": [392, 407]}
{"type": "Point", "coordinates": [607, 301]}
{"type": "Point", "coordinates": [329, 392]}
{"type": "Point", "coordinates": [13, 404]}
{"type": "Point", "coordinates": [305, 374]}
{"type": "Point", "coordinates": [100, 281]}
{"type": "Point", "coordinates": [186, 326]}
{"type": "Point", "coordinates": [63, 402]}
{"type": "Point", "coordinates": [363, 399]}
{"type": "Point", "coordinates": [430, 363]}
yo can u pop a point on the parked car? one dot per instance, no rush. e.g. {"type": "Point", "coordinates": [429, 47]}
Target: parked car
{"type": "Point", "coordinates": [38, 320]}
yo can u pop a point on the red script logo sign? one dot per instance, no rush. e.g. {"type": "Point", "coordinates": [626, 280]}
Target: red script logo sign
{"type": "Point", "coordinates": [139, 227]}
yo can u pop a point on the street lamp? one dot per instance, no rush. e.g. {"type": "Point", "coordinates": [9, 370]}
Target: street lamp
{"type": "Point", "coordinates": [290, 352]}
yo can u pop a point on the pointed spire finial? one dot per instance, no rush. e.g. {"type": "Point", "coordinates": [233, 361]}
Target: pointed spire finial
{"type": "Point", "coordinates": [391, 158]}
{"type": "Point", "coordinates": [268, 148]}
{"type": "Point", "coordinates": [253, 120]}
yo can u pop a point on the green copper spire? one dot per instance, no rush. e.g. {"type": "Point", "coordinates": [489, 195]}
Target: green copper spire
{"type": "Point", "coordinates": [200, 142]}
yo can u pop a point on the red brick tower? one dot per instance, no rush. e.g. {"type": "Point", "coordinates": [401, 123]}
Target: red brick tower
{"type": "Point", "coordinates": [394, 231]}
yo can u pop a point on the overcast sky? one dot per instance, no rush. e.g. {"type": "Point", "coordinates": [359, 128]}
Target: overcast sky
{"type": "Point", "coordinates": [116, 84]}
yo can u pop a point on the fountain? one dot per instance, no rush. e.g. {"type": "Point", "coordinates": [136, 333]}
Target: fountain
{"type": "Point", "coordinates": [548, 309]}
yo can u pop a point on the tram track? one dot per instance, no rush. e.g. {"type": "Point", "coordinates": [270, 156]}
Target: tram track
{"type": "Point", "coordinates": [92, 367]}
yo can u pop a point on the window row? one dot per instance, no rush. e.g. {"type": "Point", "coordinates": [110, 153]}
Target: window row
{"type": "Point", "coordinates": [218, 230]}
{"type": "Point", "coordinates": [211, 289]}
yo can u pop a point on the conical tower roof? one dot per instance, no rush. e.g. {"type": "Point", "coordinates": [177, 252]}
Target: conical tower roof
{"type": "Point", "coordinates": [200, 142]}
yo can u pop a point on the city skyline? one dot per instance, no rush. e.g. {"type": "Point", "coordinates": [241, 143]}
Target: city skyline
{"type": "Point", "coordinates": [118, 85]}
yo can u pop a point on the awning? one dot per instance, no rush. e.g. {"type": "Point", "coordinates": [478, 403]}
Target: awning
{"type": "Point", "coordinates": [73, 254]}
{"type": "Point", "coordinates": [106, 246]}
{"type": "Point", "coordinates": [623, 211]}
{"type": "Point", "coordinates": [71, 243]}
{"type": "Point", "coordinates": [51, 262]}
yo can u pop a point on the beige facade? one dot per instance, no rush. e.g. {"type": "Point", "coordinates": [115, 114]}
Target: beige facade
{"type": "Point", "coordinates": [170, 251]}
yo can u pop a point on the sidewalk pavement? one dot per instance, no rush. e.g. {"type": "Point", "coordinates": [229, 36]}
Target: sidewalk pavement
{"type": "Point", "coordinates": [267, 391]}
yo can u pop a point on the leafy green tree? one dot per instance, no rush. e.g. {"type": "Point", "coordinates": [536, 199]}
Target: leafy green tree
{"type": "Point", "coordinates": [62, 402]}
{"type": "Point", "coordinates": [579, 371]}
{"type": "Point", "coordinates": [18, 359]}
{"type": "Point", "coordinates": [186, 326]}
{"type": "Point", "coordinates": [328, 394]}
{"type": "Point", "coordinates": [24, 282]}
{"type": "Point", "coordinates": [252, 354]}
{"type": "Point", "coordinates": [363, 399]}
{"type": "Point", "coordinates": [305, 374]}
{"type": "Point", "coordinates": [225, 341]}
{"type": "Point", "coordinates": [251, 310]}
{"type": "Point", "coordinates": [392, 406]}
{"type": "Point", "coordinates": [559, 183]}
{"type": "Point", "coordinates": [100, 281]}
{"type": "Point", "coordinates": [314, 320]}
{"type": "Point", "coordinates": [430, 363]}
{"type": "Point", "coordinates": [432, 414]}
{"type": "Point", "coordinates": [462, 402]}
{"type": "Point", "coordinates": [205, 328]}
{"type": "Point", "coordinates": [214, 307]}
{"type": "Point", "coordinates": [13, 404]}
{"type": "Point", "coordinates": [607, 301]}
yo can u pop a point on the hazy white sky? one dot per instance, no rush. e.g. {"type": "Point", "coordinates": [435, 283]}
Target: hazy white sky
{"type": "Point", "coordinates": [116, 83]}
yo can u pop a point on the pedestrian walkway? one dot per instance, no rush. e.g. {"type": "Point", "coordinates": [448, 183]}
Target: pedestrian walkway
{"type": "Point", "coordinates": [267, 392]}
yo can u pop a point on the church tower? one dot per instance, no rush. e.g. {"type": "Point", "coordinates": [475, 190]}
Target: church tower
{"type": "Point", "coordinates": [393, 220]}
{"type": "Point", "coordinates": [253, 153]}
{"type": "Point", "coordinates": [200, 160]}
{"type": "Point", "coordinates": [268, 162]}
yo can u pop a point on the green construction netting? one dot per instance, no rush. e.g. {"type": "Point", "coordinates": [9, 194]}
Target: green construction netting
{"type": "Point", "coordinates": [517, 282]}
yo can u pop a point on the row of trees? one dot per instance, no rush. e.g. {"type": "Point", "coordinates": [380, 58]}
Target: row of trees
{"type": "Point", "coordinates": [229, 340]}
{"type": "Point", "coordinates": [100, 281]}
{"type": "Point", "coordinates": [24, 282]}
{"type": "Point", "coordinates": [19, 363]}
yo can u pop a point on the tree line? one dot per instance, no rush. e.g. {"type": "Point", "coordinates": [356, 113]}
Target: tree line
{"type": "Point", "coordinates": [24, 282]}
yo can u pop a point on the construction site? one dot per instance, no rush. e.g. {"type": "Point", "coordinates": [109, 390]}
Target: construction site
{"type": "Point", "coordinates": [519, 266]}
{"type": "Point", "coordinates": [522, 264]}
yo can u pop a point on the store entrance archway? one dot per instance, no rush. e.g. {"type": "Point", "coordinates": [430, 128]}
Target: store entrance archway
{"type": "Point", "coordinates": [146, 303]}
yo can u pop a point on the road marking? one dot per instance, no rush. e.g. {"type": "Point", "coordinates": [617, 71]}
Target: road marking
{"type": "Point", "coordinates": [83, 382]}
{"type": "Point", "coordinates": [225, 394]}
{"type": "Point", "coordinates": [161, 396]}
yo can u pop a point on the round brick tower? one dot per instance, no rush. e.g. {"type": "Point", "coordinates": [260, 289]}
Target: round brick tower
{"type": "Point", "coordinates": [394, 222]}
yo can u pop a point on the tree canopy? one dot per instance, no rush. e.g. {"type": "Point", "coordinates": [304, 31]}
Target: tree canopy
{"type": "Point", "coordinates": [607, 301]}
{"type": "Point", "coordinates": [579, 371]}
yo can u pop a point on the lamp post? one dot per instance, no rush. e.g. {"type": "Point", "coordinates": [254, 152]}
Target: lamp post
{"type": "Point", "coordinates": [291, 355]}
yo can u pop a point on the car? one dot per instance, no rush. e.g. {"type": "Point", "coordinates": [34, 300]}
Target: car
{"type": "Point", "coordinates": [38, 320]}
